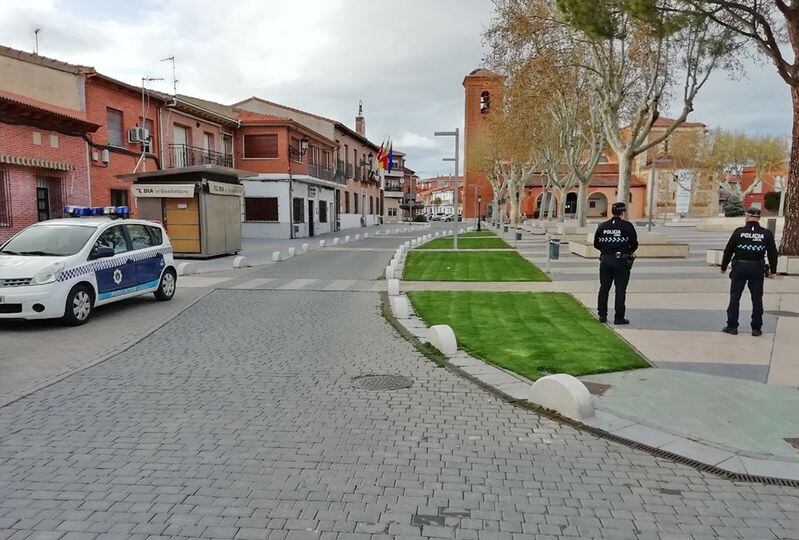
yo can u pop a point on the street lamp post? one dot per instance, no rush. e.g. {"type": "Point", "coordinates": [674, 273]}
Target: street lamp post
{"type": "Point", "coordinates": [456, 134]}
{"type": "Point", "coordinates": [652, 187]}
{"type": "Point", "coordinates": [298, 153]}
{"type": "Point", "coordinates": [479, 210]}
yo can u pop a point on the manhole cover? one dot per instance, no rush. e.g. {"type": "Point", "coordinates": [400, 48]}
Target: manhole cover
{"type": "Point", "coordinates": [382, 382]}
{"type": "Point", "coordinates": [777, 313]}
{"type": "Point", "coordinates": [596, 389]}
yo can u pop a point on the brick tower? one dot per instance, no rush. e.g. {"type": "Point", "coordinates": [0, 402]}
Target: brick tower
{"type": "Point", "coordinates": [483, 90]}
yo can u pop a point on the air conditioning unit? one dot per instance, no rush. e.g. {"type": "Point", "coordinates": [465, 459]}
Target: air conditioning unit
{"type": "Point", "coordinates": [138, 135]}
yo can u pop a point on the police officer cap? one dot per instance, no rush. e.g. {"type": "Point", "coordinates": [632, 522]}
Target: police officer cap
{"type": "Point", "coordinates": [753, 212]}
{"type": "Point", "coordinates": [618, 208]}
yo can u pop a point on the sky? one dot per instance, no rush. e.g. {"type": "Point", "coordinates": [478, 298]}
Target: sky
{"type": "Point", "coordinates": [404, 59]}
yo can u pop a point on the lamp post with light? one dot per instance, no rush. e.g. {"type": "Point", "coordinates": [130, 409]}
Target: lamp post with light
{"type": "Point", "coordinates": [479, 210]}
{"type": "Point", "coordinates": [298, 153]}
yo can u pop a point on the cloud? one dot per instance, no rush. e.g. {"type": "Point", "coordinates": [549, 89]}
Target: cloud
{"type": "Point", "coordinates": [411, 141]}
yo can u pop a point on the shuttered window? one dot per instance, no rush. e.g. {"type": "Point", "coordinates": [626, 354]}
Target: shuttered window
{"type": "Point", "coordinates": [299, 210]}
{"type": "Point", "coordinates": [260, 146]}
{"type": "Point", "coordinates": [114, 128]}
{"type": "Point", "coordinates": [322, 211]}
{"type": "Point", "coordinates": [5, 199]}
{"type": "Point", "coordinates": [260, 209]}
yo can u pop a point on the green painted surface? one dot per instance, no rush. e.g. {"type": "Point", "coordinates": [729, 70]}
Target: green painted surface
{"type": "Point", "coordinates": [470, 266]}
{"type": "Point", "coordinates": [532, 334]}
{"type": "Point", "coordinates": [469, 242]}
{"type": "Point", "coordinates": [730, 413]}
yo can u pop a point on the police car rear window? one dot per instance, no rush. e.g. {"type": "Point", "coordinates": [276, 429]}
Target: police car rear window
{"type": "Point", "coordinates": [155, 234]}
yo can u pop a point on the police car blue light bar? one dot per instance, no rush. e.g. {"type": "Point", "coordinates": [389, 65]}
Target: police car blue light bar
{"type": "Point", "coordinates": [83, 211]}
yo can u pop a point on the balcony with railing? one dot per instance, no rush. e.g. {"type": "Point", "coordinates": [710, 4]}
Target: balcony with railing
{"type": "Point", "coordinates": [349, 170]}
{"type": "Point", "coordinates": [319, 171]}
{"type": "Point", "coordinates": [184, 155]}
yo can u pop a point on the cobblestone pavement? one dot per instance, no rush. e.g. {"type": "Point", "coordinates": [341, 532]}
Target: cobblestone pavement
{"type": "Point", "coordinates": [238, 419]}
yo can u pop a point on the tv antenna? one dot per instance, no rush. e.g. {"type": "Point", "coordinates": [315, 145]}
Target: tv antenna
{"type": "Point", "coordinates": [36, 40]}
{"type": "Point", "coordinates": [145, 106]}
{"type": "Point", "coordinates": [174, 79]}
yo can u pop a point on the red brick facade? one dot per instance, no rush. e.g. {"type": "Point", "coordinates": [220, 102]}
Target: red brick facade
{"type": "Point", "coordinates": [103, 94]}
{"type": "Point", "coordinates": [64, 187]}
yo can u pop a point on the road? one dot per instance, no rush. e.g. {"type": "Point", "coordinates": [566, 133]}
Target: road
{"type": "Point", "coordinates": [239, 418]}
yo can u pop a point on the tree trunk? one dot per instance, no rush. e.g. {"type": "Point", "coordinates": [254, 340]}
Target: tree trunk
{"type": "Point", "coordinates": [790, 234]}
{"type": "Point", "coordinates": [625, 177]}
{"type": "Point", "coordinates": [582, 203]}
{"type": "Point", "coordinates": [562, 206]}
{"type": "Point", "coordinates": [551, 209]}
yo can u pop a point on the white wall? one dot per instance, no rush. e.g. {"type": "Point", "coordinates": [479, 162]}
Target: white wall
{"type": "Point", "coordinates": [280, 189]}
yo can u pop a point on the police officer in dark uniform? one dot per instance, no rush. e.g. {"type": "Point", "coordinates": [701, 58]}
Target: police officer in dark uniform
{"type": "Point", "coordinates": [617, 241]}
{"type": "Point", "coordinates": [747, 248]}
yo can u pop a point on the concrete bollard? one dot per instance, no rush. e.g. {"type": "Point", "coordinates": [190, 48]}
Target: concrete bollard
{"type": "Point", "coordinates": [346, 239]}
{"type": "Point", "coordinates": [305, 248]}
{"type": "Point", "coordinates": [240, 262]}
{"type": "Point", "coordinates": [564, 394]}
{"type": "Point", "coordinates": [442, 338]}
{"type": "Point", "coordinates": [291, 252]}
{"type": "Point", "coordinates": [335, 241]}
{"type": "Point", "coordinates": [407, 244]}
{"type": "Point", "coordinates": [275, 256]}
{"type": "Point", "coordinates": [393, 287]}
{"type": "Point", "coordinates": [438, 234]}
{"type": "Point", "coordinates": [413, 243]}
{"type": "Point", "coordinates": [400, 307]}
{"type": "Point", "coordinates": [322, 243]}
{"type": "Point", "coordinates": [357, 236]}
{"type": "Point", "coordinates": [186, 268]}
{"type": "Point", "coordinates": [405, 229]}
{"type": "Point", "coordinates": [366, 234]}
{"type": "Point", "coordinates": [389, 272]}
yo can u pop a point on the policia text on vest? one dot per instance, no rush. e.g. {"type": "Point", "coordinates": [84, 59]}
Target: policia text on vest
{"type": "Point", "coordinates": [747, 249]}
{"type": "Point", "coordinates": [616, 241]}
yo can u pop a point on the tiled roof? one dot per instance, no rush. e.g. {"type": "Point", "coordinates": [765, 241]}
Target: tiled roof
{"type": "Point", "coordinates": [42, 106]}
{"type": "Point", "coordinates": [43, 60]}
{"type": "Point", "coordinates": [483, 72]}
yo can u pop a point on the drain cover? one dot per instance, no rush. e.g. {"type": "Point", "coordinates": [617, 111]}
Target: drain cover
{"type": "Point", "coordinates": [783, 313]}
{"type": "Point", "coordinates": [596, 389]}
{"type": "Point", "coordinates": [382, 382]}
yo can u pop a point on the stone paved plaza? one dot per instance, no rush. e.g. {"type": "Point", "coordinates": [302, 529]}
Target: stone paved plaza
{"type": "Point", "coordinates": [239, 419]}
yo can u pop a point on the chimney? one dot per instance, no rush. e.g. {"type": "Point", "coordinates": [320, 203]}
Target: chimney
{"type": "Point", "coordinates": [360, 123]}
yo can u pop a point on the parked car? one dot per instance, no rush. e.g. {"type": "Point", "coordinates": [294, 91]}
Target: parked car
{"type": "Point", "coordinates": [64, 268]}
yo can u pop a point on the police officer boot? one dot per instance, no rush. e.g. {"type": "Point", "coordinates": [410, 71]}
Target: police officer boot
{"type": "Point", "coordinates": [603, 319]}
{"type": "Point", "coordinates": [621, 321]}
{"type": "Point", "coordinates": [730, 331]}
{"type": "Point", "coordinates": [757, 333]}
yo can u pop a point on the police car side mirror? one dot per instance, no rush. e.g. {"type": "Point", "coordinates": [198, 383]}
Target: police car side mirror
{"type": "Point", "coordinates": [102, 252]}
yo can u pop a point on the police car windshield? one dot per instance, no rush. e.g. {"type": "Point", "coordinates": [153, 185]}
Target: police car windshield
{"type": "Point", "coordinates": [48, 240]}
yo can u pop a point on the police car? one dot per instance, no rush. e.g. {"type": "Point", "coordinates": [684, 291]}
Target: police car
{"type": "Point", "coordinates": [67, 267]}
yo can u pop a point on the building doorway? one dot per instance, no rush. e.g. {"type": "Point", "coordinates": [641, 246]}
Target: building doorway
{"type": "Point", "coordinates": [310, 218]}
{"type": "Point", "coordinates": [571, 204]}
{"type": "Point", "coordinates": [597, 205]}
{"type": "Point", "coordinates": [43, 203]}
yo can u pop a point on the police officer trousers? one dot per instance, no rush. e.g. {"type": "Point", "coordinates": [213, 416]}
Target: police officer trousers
{"type": "Point", "coordinates": [743, 274]}
{"type": "Point", "coordinates": [612, 271]}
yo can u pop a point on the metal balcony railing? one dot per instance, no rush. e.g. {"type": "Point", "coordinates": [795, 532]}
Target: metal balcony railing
{"type": "Point", "coordinates": [319, 171]}
{"type": "Point", "coordinates": [184, 155]}
{"type": "Point", "coordinates": [349, 170]}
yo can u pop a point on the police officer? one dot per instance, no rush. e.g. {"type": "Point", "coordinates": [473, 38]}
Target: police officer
{"type": "Point", "coordinates": [746, 249]}
{"type": "Point", "coordinates": [617, 241]}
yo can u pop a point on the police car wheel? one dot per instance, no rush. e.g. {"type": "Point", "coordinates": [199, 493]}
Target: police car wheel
{"type": "Point", "coordinates": [166, 289]}
{"type": "Point", "coordinates": [80, 303]}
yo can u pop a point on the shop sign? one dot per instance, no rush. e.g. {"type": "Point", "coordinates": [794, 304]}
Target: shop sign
{"type": "Point", "coordinates": [221, 188]}
{"type": "Point", "coordinates": [173, 191]}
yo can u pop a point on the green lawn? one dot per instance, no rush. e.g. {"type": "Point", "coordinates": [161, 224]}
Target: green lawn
{"type": "Point", "coordinates": [472, 234]}
{"type": "Point", "coordinates": [532, 334]}
{"type": "Point", "coordinates": [470, 266]}
{"type": "Point", "coordinates": [468, 242]}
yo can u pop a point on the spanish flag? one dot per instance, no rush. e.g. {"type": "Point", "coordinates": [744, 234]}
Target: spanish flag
{"type": "Point", "coordinates": [381, 155]}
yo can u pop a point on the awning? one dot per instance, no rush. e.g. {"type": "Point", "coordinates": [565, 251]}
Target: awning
{"type": "Point", "coordinates": [38, 163]}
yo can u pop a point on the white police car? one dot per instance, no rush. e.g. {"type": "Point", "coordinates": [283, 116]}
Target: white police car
{"type": "Point", "coordinates": [67, 267]}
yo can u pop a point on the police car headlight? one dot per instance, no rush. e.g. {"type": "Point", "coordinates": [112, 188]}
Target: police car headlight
{"type": "Point", "coordinates": [49, 274]}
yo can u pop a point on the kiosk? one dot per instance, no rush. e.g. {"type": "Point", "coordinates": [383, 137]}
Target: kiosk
{"type": "Point", "coordinates": [200, 207]}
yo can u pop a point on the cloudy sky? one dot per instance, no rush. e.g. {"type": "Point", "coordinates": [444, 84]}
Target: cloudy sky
{"type": "Point", "coordinates": [406, 60]}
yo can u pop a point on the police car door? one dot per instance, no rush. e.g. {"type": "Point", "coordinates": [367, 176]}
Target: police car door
{"type": "Point", "coordinates": [149, 261]}
{"type": "Point", "coordinates": [115, 275]}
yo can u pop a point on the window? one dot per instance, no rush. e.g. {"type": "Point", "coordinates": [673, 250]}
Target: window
{"type": "Point", "coordinates": [355, 202]}
{"type": "Point", "coordinates": [261, 209]}
{"type": "Point", "coordinates": [155, 234]}
{"type": "Point", "coordinates": [392, 212]}
{"type": "Point", "coordinates": [113, 238]}
{"type": "Point", "coordinates": [139, 237]}
{"type": "Point", "coordinates": [114, 128]}
{"type": "Point", "coordinates": [148, 125]}
{"type": "Point", "coordinates": [591, 204]}
{"type": "Point", "coordinates": [371, 205]}
{"type": "Point", "coordinates": [5, 199]}
{"type": "Point", "coordinates": [346, 202]}
{"type": "Point", "coordinates": [322, 211]}
{"type": "Point", "coordinates": [53, 141]}
{"type": "Point", "coordinates": [299, 210]}
{"type": "Point", "coordinates": [119, 197]}
{"type": "Point", "coordinates": [485, 101]}
{"type": "Point", "coordinates": [227, 144]}
{"type": "Point", "coordinates": [260, 146]}
{"type": "Point", "coordinates": [208, 141]}
{"type": "Point", "coordinates": [295, 155]}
